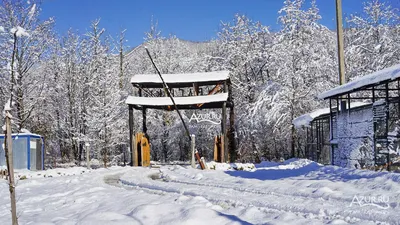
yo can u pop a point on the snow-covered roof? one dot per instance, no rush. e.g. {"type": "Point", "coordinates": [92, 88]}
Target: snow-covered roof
{"type": "Point", "coordinates": [166, 101]}
{"type": "Point", "coordinates": [306, 119]}
{"type": "Point", "coordinates": [181, 78]}
{"type": "Point", "coordinates": [23, 135]}
{"type": "Point", "coordinates": [390, 73]}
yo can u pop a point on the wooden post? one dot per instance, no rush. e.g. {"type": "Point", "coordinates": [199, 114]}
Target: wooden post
{"type": "Point", "coordinates": [145, 151]}
{"type": "Point", "coordinates": [340, 41]}
{"type": "Point", "coordinates": [199, 160]}
{"type": "Point", "coordinates": [339, 25]}
{"type": "Point", "coordinates": [216, 150]}
{"type": "Point", "coordinates": [135, 156]}
{"type": "Point", "coordinates": [87, 155]}
{"type": "Point", "coordinates": [204, 163]}
{"type": "Point", "coordinates": [131, 135]}
{"type": "Point", "coordinates": [222, 149]}
{"type": "Point", "coordinates": [144, 127]}
{"type": "Point", "coordinates": [223, 128]}
{"type": "Point", "coordinates": [144, 120]}
{"type": "Point", "coordinates": [10, 168]}
{"type": "Point", "coordinates": [193, 151]}
{"type": "Point", "coordinates": [231, 136]}
{"type": "Point", "coordinates": [196, 89]}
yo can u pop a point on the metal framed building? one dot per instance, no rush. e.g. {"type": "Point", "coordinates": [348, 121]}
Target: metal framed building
{"type": "Point", "coordinates": [367, 137]}
{"type": "Point", "coordinates": [315, 128]}
{"type": "Point", "coordinates": [28, 151]}
{"type": "Point", "coordinates": [319, 137]}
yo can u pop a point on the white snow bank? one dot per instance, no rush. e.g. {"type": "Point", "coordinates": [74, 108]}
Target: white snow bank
{"type": "Point", "coordinates": [166, 101]}
{"type": "Point", "coordinates": [290, 167]}
{"type": "Point", "coordinates": [230, 166]}
{"type": "Point", "coordinates": [181, 78]}
{"type": "Point", "coordinates": [267, 164]}
{"type": "Point", "coordinates": [390, 73]}
{"type": "Point", "coordinates": [58, 172]}
{"type": "Point", "coordinates": [1, 29]}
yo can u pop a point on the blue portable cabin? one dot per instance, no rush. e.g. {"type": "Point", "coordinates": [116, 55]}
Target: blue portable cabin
{"type": "Point", "coordinates": [28, 151]}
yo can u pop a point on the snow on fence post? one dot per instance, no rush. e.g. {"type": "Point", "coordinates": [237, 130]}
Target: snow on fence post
{"type": "Point", "coordinates": [193, 150]}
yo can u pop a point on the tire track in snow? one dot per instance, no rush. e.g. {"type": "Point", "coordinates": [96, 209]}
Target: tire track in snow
{"type": "Point", "coordinates": [283, 195]}
{"type": "Point", "coordinates": [311, 194]}
{"type": "Point", "coordinates": [224, 203]}
{"type": "Point", "coordinates": [271, 201]}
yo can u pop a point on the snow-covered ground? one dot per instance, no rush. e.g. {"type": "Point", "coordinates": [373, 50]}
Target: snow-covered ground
{"type": "Point", "coordinates": [292, 192]}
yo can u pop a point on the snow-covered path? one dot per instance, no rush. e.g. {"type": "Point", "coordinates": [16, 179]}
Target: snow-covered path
{"type": "Point", "coordinates": [84, 198]}
{"type": "Point", "coordinates": [302, 191]}
{"type": "Point", "coordinates": [295, 192]}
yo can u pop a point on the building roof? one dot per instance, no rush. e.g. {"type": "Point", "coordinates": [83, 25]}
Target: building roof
{"type": "Point", "coordinates": [306, 119]}
{"type": "Point", "coordinates": [180, 80]}
{"type": "Point", "coordinates": [208, 101]}
{"type": "Point", "coordinates": [22, 135]}
{"type": "Point", "coordinates": [378, 77]}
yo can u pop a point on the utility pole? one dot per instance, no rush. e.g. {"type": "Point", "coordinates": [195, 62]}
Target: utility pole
{"type": "Point", "coordinates": [340, 41]}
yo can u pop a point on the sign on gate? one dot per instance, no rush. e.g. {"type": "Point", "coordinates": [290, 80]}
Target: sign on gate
{"type": "Point", "coordinates": [204, 120]}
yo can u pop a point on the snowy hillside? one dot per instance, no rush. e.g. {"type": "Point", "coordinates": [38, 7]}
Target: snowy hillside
{"type": "Point", "coordinates": [293, 192]}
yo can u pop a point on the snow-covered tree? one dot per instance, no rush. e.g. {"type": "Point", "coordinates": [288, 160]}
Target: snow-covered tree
{"type": "Point", "coordinates": [244, 48]}
{"type": "Point", "coordinates": [26, 44]}
{"type": "Point", "coordinates": [302, 62]}
{"type": "Point", "coordinates": [372, 39]}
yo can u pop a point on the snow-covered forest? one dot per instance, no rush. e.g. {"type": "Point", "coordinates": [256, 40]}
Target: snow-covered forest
{"type": "Point", "coordinates": [71, 87]}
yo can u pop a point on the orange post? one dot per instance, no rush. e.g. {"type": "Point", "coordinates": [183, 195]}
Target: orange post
{"type": "Point", "coordinates": [145, 152]}
{"type": "Point", "coordinates": [141, 150]}
{"type": "Point", "coordinates": [199, 160]}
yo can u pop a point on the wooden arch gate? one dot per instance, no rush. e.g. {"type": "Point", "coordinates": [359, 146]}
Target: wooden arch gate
{"type": "Point", "coordinates": [151, 96]}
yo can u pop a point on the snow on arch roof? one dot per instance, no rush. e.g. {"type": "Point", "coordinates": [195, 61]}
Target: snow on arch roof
{"type": "Point", "coordinates": [387, 74]}
{"type": "Point", "coordinates": [161, 102]}
{"type": "Point", "coordinates": [183, 78]}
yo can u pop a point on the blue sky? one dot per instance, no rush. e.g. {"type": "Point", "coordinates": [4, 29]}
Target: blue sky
{"type": "Point", "coordinates": [196, 20]}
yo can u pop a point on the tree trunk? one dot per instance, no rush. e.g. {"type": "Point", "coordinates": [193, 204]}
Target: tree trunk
{"type": "Point", "coordinates": [10, 167]}
{"type": "Point", "coordinates": [105, 157]}
{"type": "Point", "coordinates": [80, 153]}
{"type": "Point", "coordinates": [19, 100]}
